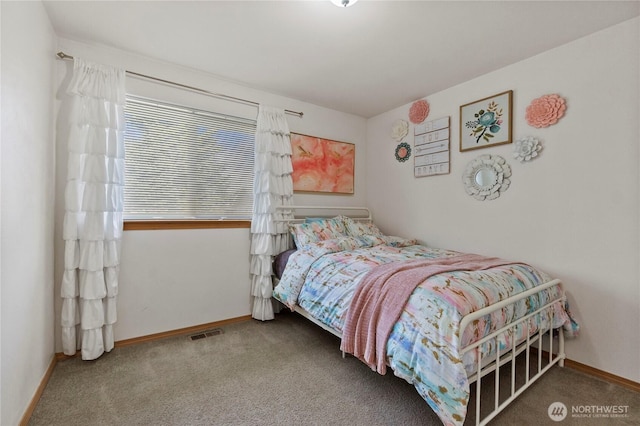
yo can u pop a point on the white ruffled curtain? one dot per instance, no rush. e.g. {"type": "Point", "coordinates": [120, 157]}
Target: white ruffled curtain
{"type": "Point", "coordinates": [94, 201]}
{"type": "Point", "coordinates": [272, 187]}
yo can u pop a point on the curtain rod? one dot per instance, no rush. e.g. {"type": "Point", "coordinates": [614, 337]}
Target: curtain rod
{"type": "Point", "coordinates": [63, 55]}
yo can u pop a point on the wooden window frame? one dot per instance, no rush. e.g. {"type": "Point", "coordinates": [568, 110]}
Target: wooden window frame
{"type": "Point", "coordinates": [150, 225]}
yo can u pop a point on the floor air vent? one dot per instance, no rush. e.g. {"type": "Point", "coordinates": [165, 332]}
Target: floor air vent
{"type": "Point", "coordinates": [208, 333]}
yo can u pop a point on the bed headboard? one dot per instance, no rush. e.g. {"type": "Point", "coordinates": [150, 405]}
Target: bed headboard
{"type": "Point", "coordinates": [298, 214]}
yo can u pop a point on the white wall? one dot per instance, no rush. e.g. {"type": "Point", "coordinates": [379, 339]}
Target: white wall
{"type": "Point", "coordinates": [172, 279]}
{"type": "Point", "coordinates": [572, 212]}
{"type": "Point", "coordinates": [27, 200]}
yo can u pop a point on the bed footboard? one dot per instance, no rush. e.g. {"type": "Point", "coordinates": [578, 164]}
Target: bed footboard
{"type": "Point", "coordinates": [509, 357]}
{"type": "Point", "coordinates": [549, 356]}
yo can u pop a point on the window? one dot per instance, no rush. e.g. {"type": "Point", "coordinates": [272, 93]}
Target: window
{"type": "Point", "coordinates": [183, 163]}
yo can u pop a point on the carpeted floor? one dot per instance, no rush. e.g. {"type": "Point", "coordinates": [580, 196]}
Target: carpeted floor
{"type": "Point", "coordinates": [286, 371]}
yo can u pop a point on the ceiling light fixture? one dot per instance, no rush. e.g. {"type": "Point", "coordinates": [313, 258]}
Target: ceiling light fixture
{"type": "Point", "coordinates": [344, 3]}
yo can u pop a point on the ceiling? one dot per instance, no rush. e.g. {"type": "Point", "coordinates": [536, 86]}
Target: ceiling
{"type": "Point", "coordinates": [364, 60]}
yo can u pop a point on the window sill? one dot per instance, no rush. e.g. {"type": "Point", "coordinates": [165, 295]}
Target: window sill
{"type": "Point", "coordinates": [149, 225]}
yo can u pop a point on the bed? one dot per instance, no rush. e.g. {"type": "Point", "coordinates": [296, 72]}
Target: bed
{"type": "Point", "coordinates": [437, 318]}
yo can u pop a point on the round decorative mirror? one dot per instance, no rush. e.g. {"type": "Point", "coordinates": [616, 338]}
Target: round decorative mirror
{"type": "Point", "coordinates": [486, 177]}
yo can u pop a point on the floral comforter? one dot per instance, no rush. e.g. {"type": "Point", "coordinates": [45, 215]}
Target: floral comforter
{"type": "Point", "coordinates": [424, 346]}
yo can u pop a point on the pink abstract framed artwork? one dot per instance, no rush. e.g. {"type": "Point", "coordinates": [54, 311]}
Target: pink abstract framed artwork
{"type": "Point", "coordinates": [322, 165]}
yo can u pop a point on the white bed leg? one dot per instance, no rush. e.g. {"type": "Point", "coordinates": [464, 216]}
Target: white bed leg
{"type": "Point", "coordinates": [561, 353]}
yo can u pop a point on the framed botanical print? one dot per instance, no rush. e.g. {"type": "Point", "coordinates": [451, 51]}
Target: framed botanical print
{"type": "Point", "coordinates": [486, 122]}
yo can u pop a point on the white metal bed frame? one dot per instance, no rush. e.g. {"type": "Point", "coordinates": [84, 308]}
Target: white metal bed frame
{"type": "Point", "coordinates": [497, 361]}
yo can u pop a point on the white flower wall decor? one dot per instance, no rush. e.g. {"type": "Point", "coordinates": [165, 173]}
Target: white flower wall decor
{"type": "Point", "coordinates": [399, 130]}
{"type": "Point", "coordinates": [526, 149]}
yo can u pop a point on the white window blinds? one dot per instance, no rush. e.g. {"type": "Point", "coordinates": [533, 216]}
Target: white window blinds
{"type": "Point", "coordinates": [183, 163]}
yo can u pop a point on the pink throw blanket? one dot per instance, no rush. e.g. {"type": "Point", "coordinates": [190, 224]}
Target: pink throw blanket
{"type": "Point", "coordinates": [382, 294]}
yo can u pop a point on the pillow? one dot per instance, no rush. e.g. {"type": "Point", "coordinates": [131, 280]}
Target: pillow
{"type": "Point", "coordinates": [355, 228]}
{"type": "Point", "coordinates": [311, 232]}
{"type": "Point", "coordinates": [314, 219]}
{"type": "Point", "coordinates": [280, 262]}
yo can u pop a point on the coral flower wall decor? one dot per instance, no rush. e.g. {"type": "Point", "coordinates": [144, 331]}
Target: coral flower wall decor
{"type": "Point", "coordinates": [419, 111]}
{"type": "Point", "coordinates": [545, 110]}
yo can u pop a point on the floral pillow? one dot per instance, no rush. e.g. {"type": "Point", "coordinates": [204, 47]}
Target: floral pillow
{"type": "Point", "coordinates": [356, 229]}
{"type": "Point", "coordinates": [318, 230]}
